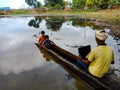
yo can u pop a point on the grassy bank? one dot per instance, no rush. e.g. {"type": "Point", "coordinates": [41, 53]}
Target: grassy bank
{"type": "Point", "coordinates": [20, 12]}
{"type": "Point", "coordinates": [17, 12]}
{"type": "Point", "coordinates": [111, 16]}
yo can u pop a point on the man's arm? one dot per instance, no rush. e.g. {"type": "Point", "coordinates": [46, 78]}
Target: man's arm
{"type": "Point", "coordinates": [84, 60]}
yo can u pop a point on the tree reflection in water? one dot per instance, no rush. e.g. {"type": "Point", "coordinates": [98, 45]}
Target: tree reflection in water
{"type": "Point", "coordinates": [35, 22]}
{"type": "Point", "coordinates": [79, 22]}
{"type": "Point", "coordinates": [54, 24]}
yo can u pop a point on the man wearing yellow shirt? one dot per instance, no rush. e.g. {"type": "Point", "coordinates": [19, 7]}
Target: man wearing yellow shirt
{"type": "Point", "coordinates": [99, 59]}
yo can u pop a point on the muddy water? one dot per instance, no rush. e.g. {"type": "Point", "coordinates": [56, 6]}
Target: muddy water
{"type": "Point", "coordinates": [24, 67]}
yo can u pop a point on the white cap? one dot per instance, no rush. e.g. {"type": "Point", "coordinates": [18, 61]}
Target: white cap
{"type": "Point", "coordinates": [101, 35]}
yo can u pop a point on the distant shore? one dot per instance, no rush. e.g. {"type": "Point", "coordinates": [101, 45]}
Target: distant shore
{"type": "Point", "coordinates": [106, 18]}
{"type": "Point", "coordinates": [111, 15]}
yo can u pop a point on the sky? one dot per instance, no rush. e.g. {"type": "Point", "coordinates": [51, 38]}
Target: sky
{"type": "Point", "coordinates": [16, 4]}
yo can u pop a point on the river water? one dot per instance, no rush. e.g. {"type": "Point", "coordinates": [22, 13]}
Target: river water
{"type": "Point", "coordinates": [24, 67]}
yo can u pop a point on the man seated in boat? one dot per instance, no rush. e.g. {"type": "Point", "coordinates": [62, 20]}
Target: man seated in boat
{"type": "Point", "coordinates": [47, 43]}
{"type": "Point", "coordinates": [41, 38]}
{"type": "Point", "coordinates": [99, 59]}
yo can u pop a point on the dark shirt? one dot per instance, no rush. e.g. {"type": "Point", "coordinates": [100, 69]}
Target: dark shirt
{"type": "Point", "coordinates": [47, 43]}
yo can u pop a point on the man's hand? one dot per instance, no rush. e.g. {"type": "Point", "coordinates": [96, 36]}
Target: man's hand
{"type": "Point", "coordinates": [79, 57]}
{"type": "Point", "coordinates": [83, 60]}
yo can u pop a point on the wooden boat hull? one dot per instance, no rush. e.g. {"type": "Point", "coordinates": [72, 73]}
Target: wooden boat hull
{"type": "Point", "coordinates": [108, 82]}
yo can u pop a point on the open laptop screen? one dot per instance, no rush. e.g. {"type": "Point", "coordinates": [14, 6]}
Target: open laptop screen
{"type": "Point", "coordinates": [84, 50]}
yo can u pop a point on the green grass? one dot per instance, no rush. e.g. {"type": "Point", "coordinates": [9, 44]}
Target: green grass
{"type": "Point", "coordinates": [19, 12]}
{"type": "Point", "coordinates": [22, 12]}
{"type": "Point", "coordinates": [112, 15]}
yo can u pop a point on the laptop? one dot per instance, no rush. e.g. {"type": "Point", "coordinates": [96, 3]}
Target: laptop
{"type": "Point", "coordinates": [84, 50]}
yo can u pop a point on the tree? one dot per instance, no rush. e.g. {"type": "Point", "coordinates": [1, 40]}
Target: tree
{"type": "Point", "coordinates": [103, 4]}
{"type": "Point", "coordinates": [30, 2]}
{"type": "Point", "coordinates": [34, 3]}
{"type": "Point", "coordinates": [117, 2]}
{"type": "Point", "coordinates": [114, 2]}
{"type": "Point", "coordinates": [57, 6]}
{"type": "Point", "coordinates": [37, 4]}
{"type": "Point", "coordinates": [53, 3]}
{"type": "Point", "coordinates": [77, 4]}
{"type": "Point", "coordinates": [90, 2]}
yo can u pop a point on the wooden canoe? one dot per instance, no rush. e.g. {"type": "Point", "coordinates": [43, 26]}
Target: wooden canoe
{"type": "Point", "coordinates": [108, 82]}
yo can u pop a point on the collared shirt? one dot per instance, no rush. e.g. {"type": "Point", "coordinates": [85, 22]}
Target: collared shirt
{"type": "Point", "coordinates": [100, 58]}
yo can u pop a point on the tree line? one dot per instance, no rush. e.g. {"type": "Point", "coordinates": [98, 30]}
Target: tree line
{"type": "Point", "coordinates": [76, 4]}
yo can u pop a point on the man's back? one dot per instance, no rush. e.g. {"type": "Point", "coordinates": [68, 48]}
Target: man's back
{"type": "Point", "coordinates": [100, 58]}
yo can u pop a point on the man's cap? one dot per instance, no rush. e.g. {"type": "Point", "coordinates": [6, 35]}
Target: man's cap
{"type": "Point", "coordinates": [101, 35]}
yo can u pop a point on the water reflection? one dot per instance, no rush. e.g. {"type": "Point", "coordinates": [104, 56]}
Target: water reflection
{"type": "Point", "coordinates": [35, 22]}
{"type": "Point", "coordinates": [45, 55]}
{"type": "Point", "coordinates": [16, 46]}
{"type": "Point", "coordinates": [54, 24]}
{"type": "Point", "coordinates": [14, 57]}
{"type": "Point", "coordinates": [80, 22]}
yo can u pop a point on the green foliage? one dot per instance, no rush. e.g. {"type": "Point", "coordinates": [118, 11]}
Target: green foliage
{"type": "Point", "coordinates": [53, 3]}
{"type": "Point", "coordinates": [42, 7]}
{"type": "Point", "coordinates": [77, 4]}
{"type": "Point", "coordinates": [37, 4]}
{"type": "Point", "coordinates": [66, 3]}
{"type": "Point", "coordinates": [90, 2]}
{"type": "Point", "coordinates": [30, 2]}
{"type": "Point", "coordinates": [114, 2]}
{"type": "Point", "coordinates": [57, 6]}
{"type": "Point", "coordinates": [103, 4]}
{"type": "Point", "coordinates": [117, 2]}
{"type": "Point", "coordinates": [34, 3]}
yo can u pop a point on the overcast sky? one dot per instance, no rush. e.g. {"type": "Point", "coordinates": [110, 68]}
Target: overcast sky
{"type": "Point", "coordinates": [16, 4]}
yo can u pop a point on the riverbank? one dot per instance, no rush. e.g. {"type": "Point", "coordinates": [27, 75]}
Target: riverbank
{"type": "Point", "coordinates": [111, 16]}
